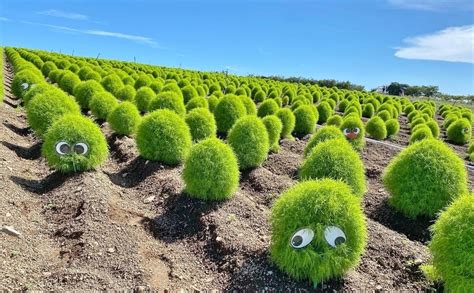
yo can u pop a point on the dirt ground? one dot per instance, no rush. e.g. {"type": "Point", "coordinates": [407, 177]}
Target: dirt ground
{"type": "Point", "coordinates": [128, 225]}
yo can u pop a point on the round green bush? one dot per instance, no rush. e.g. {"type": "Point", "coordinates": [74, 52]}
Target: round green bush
{"type": "Point", "coordinates": [124, 119]}
{"type": "Point", "coordinates": [417, 121]}
{"type": "Point", "coordinates": [249, 140]}
{"type": "Point", "coordinates": [142, 80]}
{"type": "Point", "coordinates": [201, 124]}
{"type": "Point", "coordinates": [211, 171]}
{"type": "Point", "coordinates": [424, 178]}
{"type": "Point", "coordinates": [324, 112]}
{"type": "Point", "coordinates": [229, 109]}
{"type": "Point", "coordinates": [434, 127]}
{"type": "Point", "coordinates": [305, 120]}
{"type": "Point", "coordinates": [368, 111]}
{"type": "Point", "coordinates": [335, 120]}
{"type": "Point", "coordinates": [47, 107]}
{"type": "Point", "coordinates": [249, 105]}
{"type": "Point", "coordinates": [37, 89]}
{"type": "Point", "coordinates": [318, 230]}
{"type": "Point", "coordinates": [23, 80]}
{"type": "Point", "coordinates": [460, 131]}
{"type": "Point", "coordinates": [143, 98]}
{"type": "Point", "coordinates": [274, 127]}
{"type": "Point", "coordinates": [189, 92]}
{"type": "Point", "coordinates": [101, 104]}
{"type": "Point", "coordinates": [212, 101]}
{"type": "Point", "coordinates": [73, 144]}
{"type": "Point", "coordinates": [267, 107]}
{"type": "Point", "coordinates": [126, 93]}
{"type": "Point", "coordinates": [470, 149]}
{"type": "Point", "coordinates": [197, 102]}
{"type": "Point", "coordinates": [84, 92]}
{"type": "Point", "coordinates": [69, 81]}
{"type": "Point", "coordinates": [287, 119]}
{"type": "Point", "coordinates": [112, 83]}
{"type": "Point", "coordinates": [47, 67]}
{"type": "Point", "coordinates": [353, 129]}
{"type": "Point", "coordinates": [385, 115]}
{"type": "Point", "coordinates": [323, 134]}
{"type": "Point", "coordinates": [168, 100]}
{"type": "Point", "coordinates": [452, 245]}
{"type": "Point", "coordinates": [336, 159]}
{"type": "Point", "coordinates": [163, 136]}
{"type": "Point", "coordinates": [376, 128]}
{"type": "Point", "coordinates": [392, 126]}
{"type": "Point", "coordinates": [422, 132]}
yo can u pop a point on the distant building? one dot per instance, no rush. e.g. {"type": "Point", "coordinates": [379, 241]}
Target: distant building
{"type": "Point", "coordinates": [383, 89]}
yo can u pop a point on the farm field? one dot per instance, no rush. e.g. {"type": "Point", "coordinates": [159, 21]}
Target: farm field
{"type": "Point", "coordinates": [129, 222]}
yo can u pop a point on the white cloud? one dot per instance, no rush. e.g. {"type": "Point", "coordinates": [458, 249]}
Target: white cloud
{"type": "Point", "coordinates": [4, 18]}
{"type": "Point", "coordinates": [454, 44]}
{"type": "Point", "coordinates": [133, 38]}
{"type": "Point", "coordinates": [434, 5]}
{"type": "Point", "coordinates": [63, 14]}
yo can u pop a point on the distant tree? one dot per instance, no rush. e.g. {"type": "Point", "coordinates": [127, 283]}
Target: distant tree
{"type": "Point", "coordinates": [396, 89]}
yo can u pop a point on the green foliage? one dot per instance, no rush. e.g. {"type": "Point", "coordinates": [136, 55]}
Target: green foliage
{"type": "Point", "coordinates": [460, 131]}
{"type": "Point", "coordinates": [212, 102]}
{"type": "Point", "coordinates": [211, 171]}
{"type": "Point", "coordinates": [324, 112]}
{"type": "Point", "coordinates": [112, 83]}
{"type": "Point", "coordinates": [124, 119]}
{"type": "Point", "coordinates": [249, 105]}
{"type": "Point", "coordinates": [452, 245]}
{"type": "Point", "coordinates": [249, 140]}
{"type": "Point", "coordinates": [143, 98]}
{"type": "Point", "coordinates": [229, 109]}
{"type": "Point", "coordinates": [319, 205]}
{"type": "Point", "coordinates": [163, 136]}
{"type": "Point", "coordinates": [168, 100]}
{"type": "Point", "coordinates": [73, 144]}
{"type": "Point", "coordinates": [47, 107]}
{"type": "Point", "coordinates": [305, 120]}
{"type": "Point", "coordinates": [368, 111]}
{"type": "Point", "coordinates": [197, 102]}
{"type": "Point", "coordinates": [274, 127]}
{"type": "Point", "coordinates": [385, 115]}
{"type": "Point", "coordinates": [69, 81]}
{"type": "Point", "coordinates": [354, 131]}
{"type": "Point", "coordinates": [470, 149]}
{"type": "Point", "coordinates": [434, 127]}
{"type": "Point", "coordinates": [101, 104]}
{"type": "Point", "coordinates": [287, 119]}
{"type": "Point", "coordinates": [424, 178]}
{"type": "Point", "coordinates": [376, 128]}
{"type": "Point", "coordinates": [421, 133]}
{"type": "Point", "coordinates": [126, 93]}
{"type": "Point", "coordinates": [201, 124]}
{"type": "Point", "coordinates": [323, 134]}
{"type": "Point", "coordinates": [392, 126]}
{"type": "Point", "coordinates": [47, 67]}
{"type": "Point", "coordinates": [25, 78]}
{"type": "Point", "coordinates": [189, 92]}
{"type": "Point", "coordinates": [143, 80]}
{"type": "Point", "coordinates": [336, 159]}
{"type": "Point", "coordinates": [335, 120]}
{"type": "Point", "coordinates": [37, 89]}
{"type": "Point", "coordinates": [84, 92]}
{"type": "Point", "coordinates": [267, 107]}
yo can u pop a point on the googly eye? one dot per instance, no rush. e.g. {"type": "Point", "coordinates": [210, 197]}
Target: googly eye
{"type": "Point", "coordinates": [465, 130]}
{"type": "Point", "coordinates": [301, 238]}
{"type": "Point", "coordinates": [25, 86]}
{"type": "Point", "coordinates": [334, 236]}
{"type": "Point", "coordinates": [356, 130]}
{"type": "Point", "coordinates": [63, 148]}
{"type": "Point", "coordinates": [81, 148]}
{"type": "Point", "coordinates": [346, 131]}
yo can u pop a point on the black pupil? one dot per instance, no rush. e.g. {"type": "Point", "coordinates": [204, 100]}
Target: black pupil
{"type": "Point", "coordinates": [64, 148]}
{"type": "Point", "coordinates": [297, 240]}
{"type": "Point", "coordinates": [339, 240]}
{"type": "Point", "coordinates": [79, 149]}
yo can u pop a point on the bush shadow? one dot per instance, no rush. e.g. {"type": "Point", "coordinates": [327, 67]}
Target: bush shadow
{"type": "Point", "coordinates": [32, 152]}
{"type": "Point", "coordinates": [45, 185]}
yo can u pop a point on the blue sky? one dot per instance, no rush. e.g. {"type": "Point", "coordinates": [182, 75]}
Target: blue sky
{"type": "Point", "coordinates": [372, 43]}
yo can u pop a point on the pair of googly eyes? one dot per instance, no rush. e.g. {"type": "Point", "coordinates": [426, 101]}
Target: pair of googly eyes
{"type": "Point", "coordinates": [333, 235]}
{"type": "Point", "coordinates": [63, 148]}
{"type": "Point", "coordinates": [348, 131]}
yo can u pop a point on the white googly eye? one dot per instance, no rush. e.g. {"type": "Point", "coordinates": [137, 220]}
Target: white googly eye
{"type": "Point", "coordinates": [25, 86]}
{"type": "Point", "coordinates": [465, 130]}
{"type": "Point", "coordinates": [301, 238]}
{"type": "Point", "coordinates": [346, 131]}
{"type": "Point", "coordinates": [63, 148]}
{"type": "Point", "coordinates": [334, 236]}
{"type": "Point", "coordinates": [356, 130]}
{"type": "Point", "coordinates": [81, 148]}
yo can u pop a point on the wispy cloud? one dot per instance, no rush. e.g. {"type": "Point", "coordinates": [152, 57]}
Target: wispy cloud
{"type": "Point", "coordinates": [453, 44]}
{"type": "Point", "coordinates": [4, 18]}
{"type": "Point", "coordinates": [433, 5]}
{"type": "Point", "coordinates": [134, 38]}
{"type": "Point", "coordinates": [63, 14]}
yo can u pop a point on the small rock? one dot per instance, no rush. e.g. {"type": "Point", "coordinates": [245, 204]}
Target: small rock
{"type": "Point", "coordinates": [47, 274]}
{"type": "Point", "coordinates": [378, 288]}
{"type": "Point", "coordinates": [149, 199]}
{"type": "Point", "coordinates": [111, 250]}
{"type": "Point", "coordinates": [219, 239]}
{"type": "Point", "coordinates": [8, 214]}
{"type": "Point", "coordinates": [270, 273]}
{"type": "Point", "coordinates": [79, 189]}
{"type": "Point", "coordinates": [11, 231]}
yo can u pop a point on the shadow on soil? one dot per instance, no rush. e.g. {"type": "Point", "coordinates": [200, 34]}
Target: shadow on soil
{"type": "Point", "coordinates": [32, 152]}
{"type": "Point", "coordinates": [45, 185]}
{"type": "Point", "coordinates": [18, 130]}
